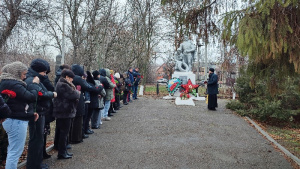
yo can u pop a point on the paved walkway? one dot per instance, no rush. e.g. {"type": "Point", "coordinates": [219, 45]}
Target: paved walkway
{"type": "Point", "coordinates": [151, 133]}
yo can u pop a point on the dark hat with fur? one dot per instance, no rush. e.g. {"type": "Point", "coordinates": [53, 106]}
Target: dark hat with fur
{"type": "Point", "coordinates": [67, 72]}
{"type": "Point", "coordinates": [39, 65]}
{"type": "Point", "coordinates": [211, 69]}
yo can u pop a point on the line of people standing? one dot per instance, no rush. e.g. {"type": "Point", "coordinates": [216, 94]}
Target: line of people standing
{"type": "Point", "coordinates": [79, 102]}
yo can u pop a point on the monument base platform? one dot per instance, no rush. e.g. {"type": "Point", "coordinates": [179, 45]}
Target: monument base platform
{"type": "Point", "coordinates": [188, 102]}
{"type": "Point", "coordinates": [185, 76]}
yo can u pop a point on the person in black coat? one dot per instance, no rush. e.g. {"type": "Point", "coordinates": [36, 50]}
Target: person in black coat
{"type": "Point", "coordinates": [59, 70]}
{"type": "Point", "coordinates": [64, 111]}
{"type": "Point", "coordinates": [94, 104]}
{"type": "Point", "coordinates": [4, 113]}
{"type": "Point", "coordinates": [137, 78]}
{"type": "Point", "coordinates": [48, 115]}
{"type": "Point", "coordinates": [76, 133]}
{"type": "Point", "coordinates": [38, 68]}
{"type": "Point", "coordinates": [127, 83]}
{"type": "Point", "coordinates": [212, 90]}
{"type": "Point", "coordinates": [17, 122]}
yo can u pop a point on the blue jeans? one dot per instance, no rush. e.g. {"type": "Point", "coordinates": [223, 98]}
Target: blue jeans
{"type": "Point", "coordinates": [106, 108]}
{"type": "Point", "coordinates": [100, 116]}
{"type": "Point", "coordinates": [16, 131]}
{"type": "Point", "coordinates": [135, 89]}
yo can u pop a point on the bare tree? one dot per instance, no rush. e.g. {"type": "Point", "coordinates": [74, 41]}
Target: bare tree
{"type": "Point", "coordinates": [19, 12]}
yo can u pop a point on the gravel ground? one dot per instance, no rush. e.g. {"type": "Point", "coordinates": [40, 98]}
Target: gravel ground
{"type": "Point", "coordinates": [151, 133]}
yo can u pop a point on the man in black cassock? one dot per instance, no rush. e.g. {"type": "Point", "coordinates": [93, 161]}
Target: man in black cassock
{"type": "Point", "coordinates": [212, 90]}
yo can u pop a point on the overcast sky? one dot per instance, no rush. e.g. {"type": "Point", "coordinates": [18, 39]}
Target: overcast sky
{"type": "Point", "coordinates": [166, 48]}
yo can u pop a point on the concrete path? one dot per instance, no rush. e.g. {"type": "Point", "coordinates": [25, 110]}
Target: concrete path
{"type": "Point", "coordinates": [151, 133]}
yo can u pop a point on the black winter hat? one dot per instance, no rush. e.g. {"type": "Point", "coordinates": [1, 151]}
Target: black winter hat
{"type": "Point", "coordinates": [96, 73]}
{"type": "Point", "coordinates": [48, 66]}
{"type": "Point", "coordinates": [39, 65]}
{"type": "Point", "coordinates": [78, 70]}
{"type": "Point", "coordinates": [211, 69]}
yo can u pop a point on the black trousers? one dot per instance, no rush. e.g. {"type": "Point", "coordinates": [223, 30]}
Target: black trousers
{"type": "Point", "coordinates": [61, 134]}
{"type": "Point", "coordinates": [46, 132]}
{"type": "Point", "coordinates": [212, 101]}
{"type": "Point", "coordinates": [87, 119]}
{"type": "Point", "coordinates": [116, 104]}
{"type": "Point", "coordinates": [125, 94]}
{"type": "Point", "coordinates": [75, 134]}
{"type": "Point", "coordinates": [36, 142]}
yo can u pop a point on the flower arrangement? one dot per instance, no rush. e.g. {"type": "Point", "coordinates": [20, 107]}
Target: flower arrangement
{"type": "Point", "coordinates": [9, 94]}
{"type": "Point", "coordinates": [184, 96]}
{"type": "Point", "coordinates": [189, 88]}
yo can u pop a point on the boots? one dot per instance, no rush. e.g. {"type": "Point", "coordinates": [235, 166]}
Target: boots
{"type": "Point", "coordinates": [45, 155]}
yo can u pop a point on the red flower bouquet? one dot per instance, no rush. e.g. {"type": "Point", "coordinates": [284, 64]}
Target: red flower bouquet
{"type": "Point", "coordinates": [185, 96]}
{"type": "Point", "coordinates": [9, 94]}
{"type": "Point", "coordinates": [40, 93]}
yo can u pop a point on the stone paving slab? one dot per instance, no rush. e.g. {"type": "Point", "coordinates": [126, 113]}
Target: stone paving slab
{"type": "Point", "coordinates": [151, 133]}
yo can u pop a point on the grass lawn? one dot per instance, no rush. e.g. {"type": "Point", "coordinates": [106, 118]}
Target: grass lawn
{"type": "Point", "coordinates": [287, 137]}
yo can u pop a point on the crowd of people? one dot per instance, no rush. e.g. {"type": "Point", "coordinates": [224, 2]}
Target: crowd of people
{"type": "Point", "coordinates": [78, 101]}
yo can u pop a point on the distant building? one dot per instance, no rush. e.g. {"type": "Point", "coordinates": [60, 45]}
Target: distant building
{"type": "Point", "coordinates": [163, 71]}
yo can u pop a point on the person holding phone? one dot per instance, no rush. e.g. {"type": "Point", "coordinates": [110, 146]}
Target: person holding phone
{"type": "Point", "coordinates": [16, 124]}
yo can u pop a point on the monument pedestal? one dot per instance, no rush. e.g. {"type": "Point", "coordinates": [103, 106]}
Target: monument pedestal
{"type": "Point", "coordinates": [188, 102]}
{"type": "Point", "coordinates": [185, 76]}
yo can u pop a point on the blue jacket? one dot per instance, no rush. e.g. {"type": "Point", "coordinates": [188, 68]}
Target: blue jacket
{"type": "Point", "coordinates": [131, 77]}
{"type": "Point", "coordinates": [136, 76]}
{"type": "Point", "coordinates": [212, 84]}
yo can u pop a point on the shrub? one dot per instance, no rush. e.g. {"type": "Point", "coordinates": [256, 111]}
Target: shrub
{"type": "Point", "coordinates": [235, 105]}
{"type": "Point", "coordinates": [267, 99]}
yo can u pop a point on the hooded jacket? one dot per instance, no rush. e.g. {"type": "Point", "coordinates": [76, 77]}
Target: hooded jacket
{"type": "Point", "coordinates": [44, 79]}
{"type": "Point", "coordinates": [58, 74]}
{"type": "Point", "coordinates": [93, 95]}
{"type": "Point", "coordinates": [103, 79]}
{"type": "Point", "coordinates": [10, 79]}
{"type": "Point", "coordinates": [107, 83]}
{"type": "Point", "coordinates": [77, 80]}
{"type": "Point", "coordinates": [103, 93]}
{"type": "Point", "coordinates": [65, 103]}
